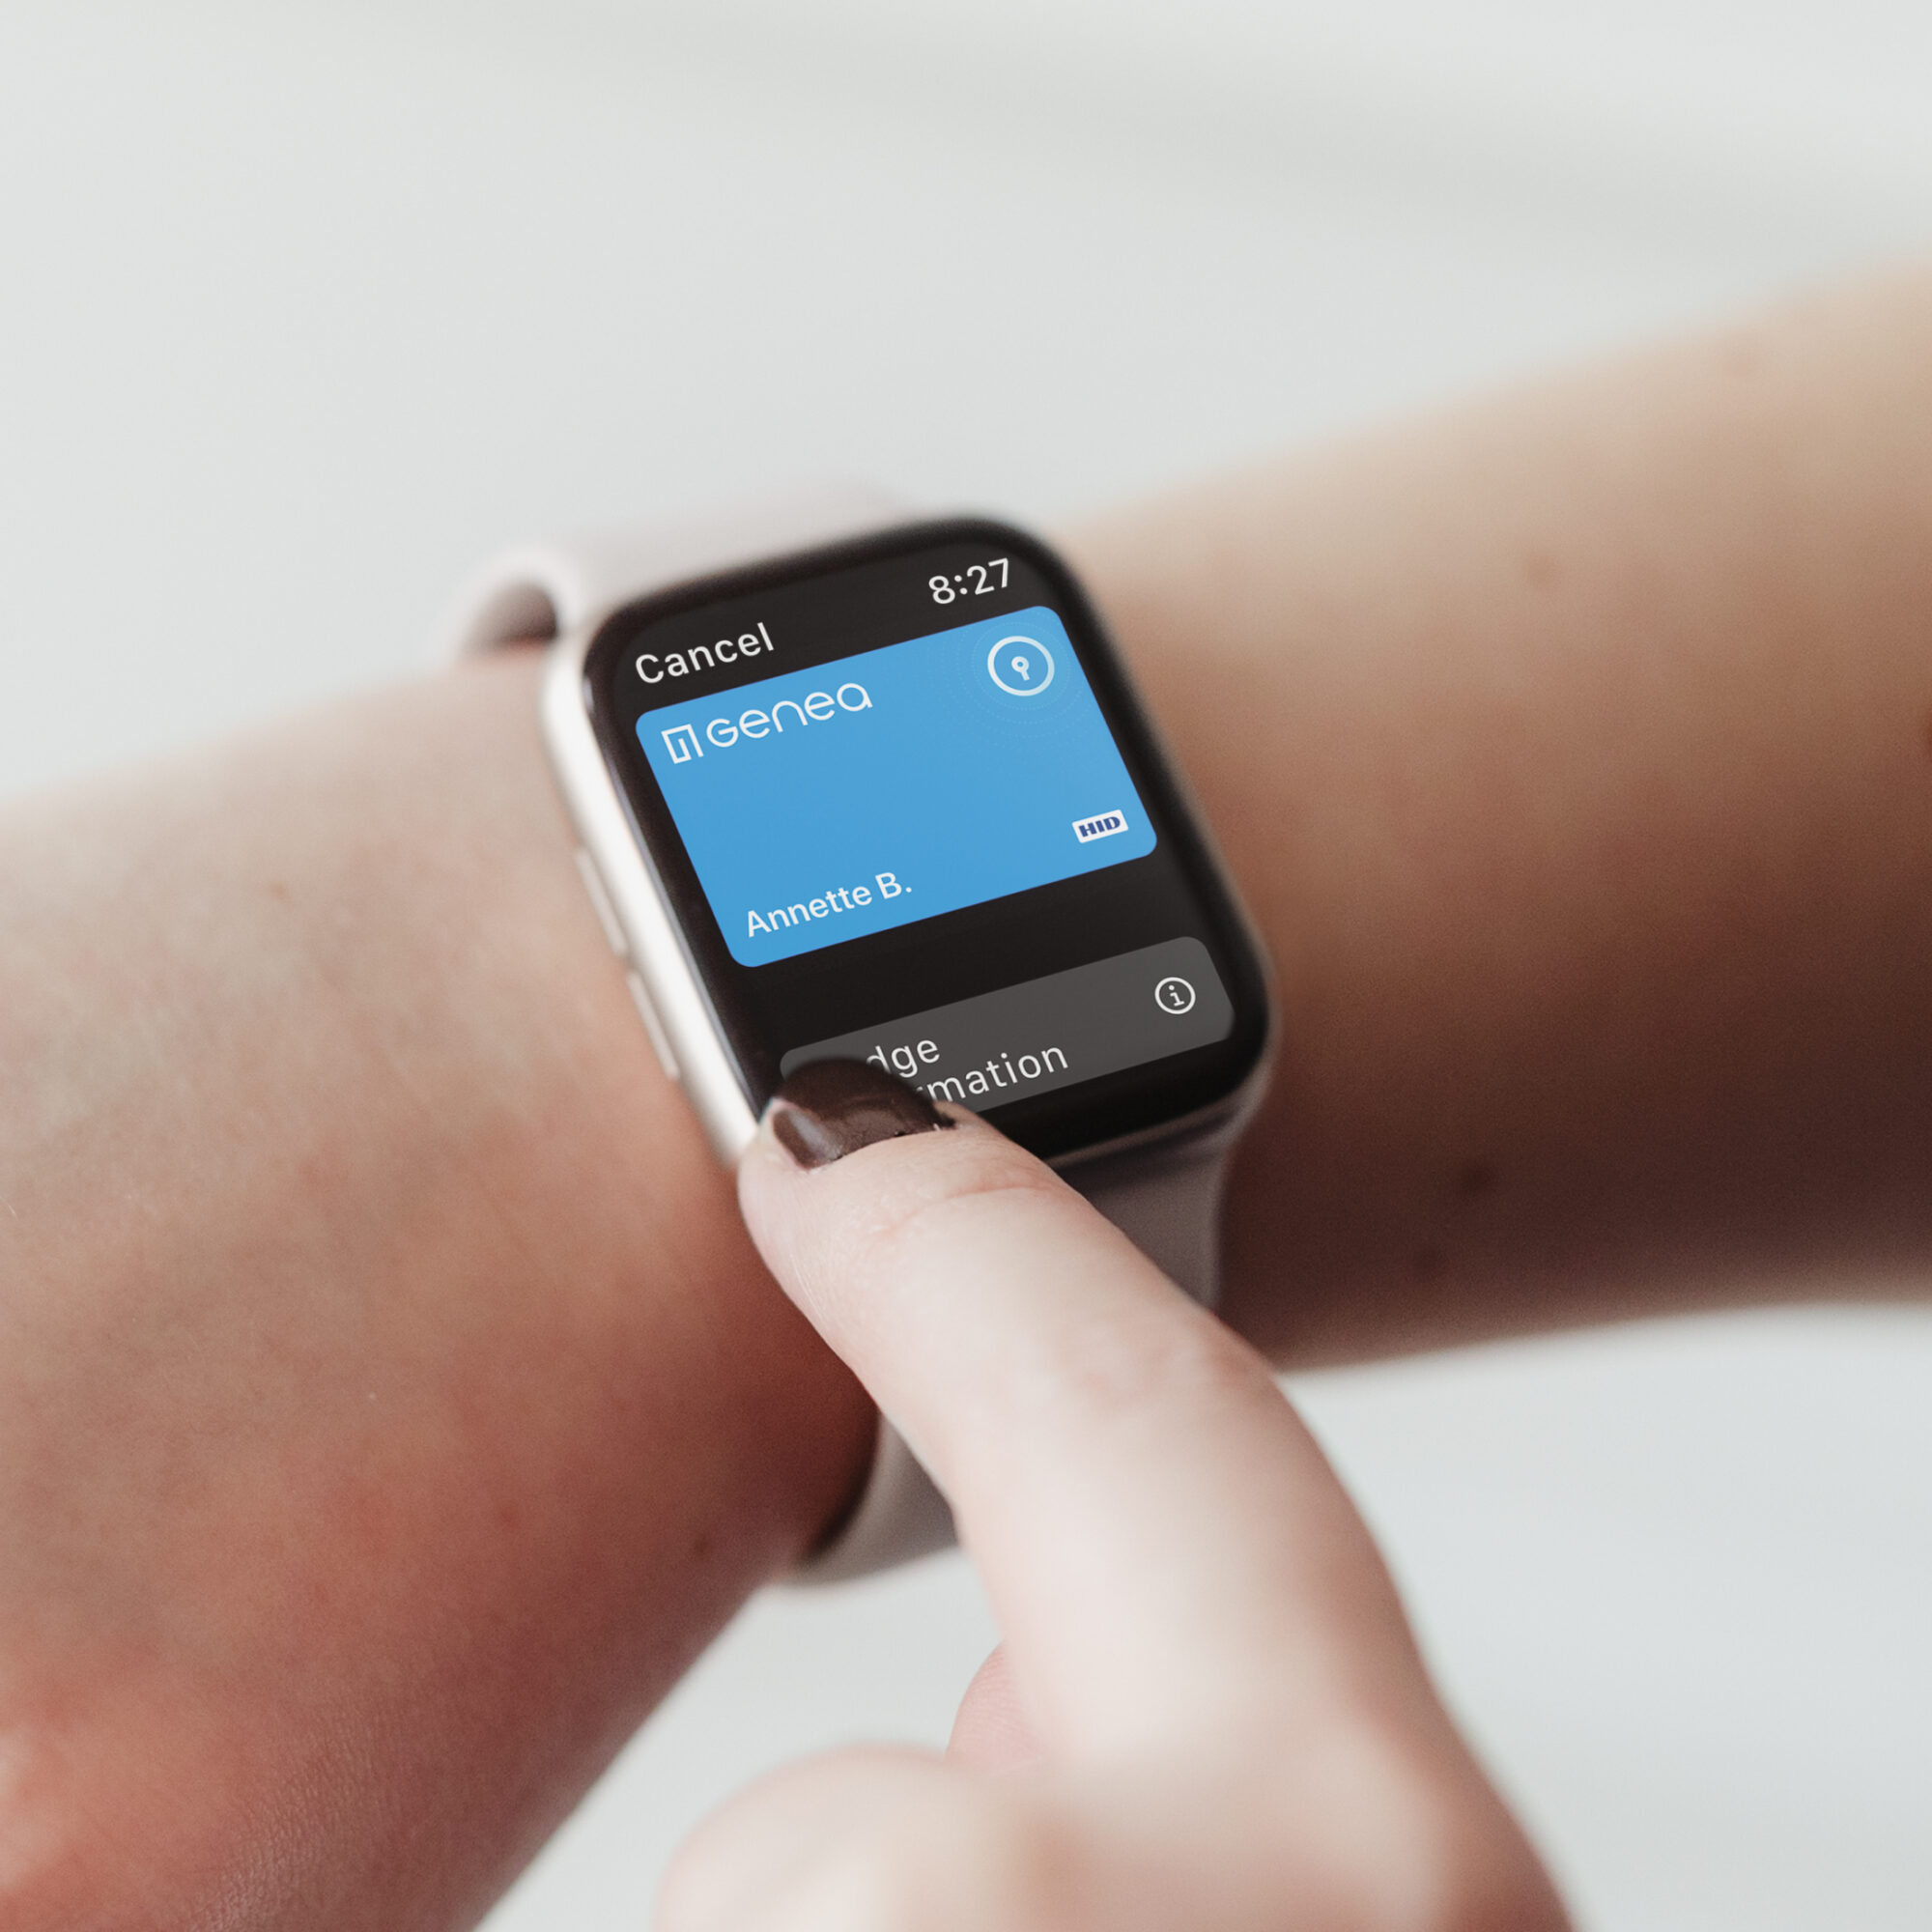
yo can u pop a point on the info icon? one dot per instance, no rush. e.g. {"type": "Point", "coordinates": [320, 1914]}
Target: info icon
{"type": "Point", "coordinates": [1175, 995]}
{"type": "Point", "coordinates": [1021, 666]}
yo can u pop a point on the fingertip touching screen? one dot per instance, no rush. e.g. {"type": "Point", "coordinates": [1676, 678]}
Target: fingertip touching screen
{"type": "Point", "coordinates": [904, 806]}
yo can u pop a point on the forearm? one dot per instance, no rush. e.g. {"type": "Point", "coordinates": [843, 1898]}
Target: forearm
{"type": "Point", "coordinates": [390, 1404]}
{"type": "Point", "coordinates": [1571, 754]}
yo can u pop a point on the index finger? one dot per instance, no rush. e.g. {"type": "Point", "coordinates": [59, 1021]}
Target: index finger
{"type": "Point", "coordinates": [1163, 1543]}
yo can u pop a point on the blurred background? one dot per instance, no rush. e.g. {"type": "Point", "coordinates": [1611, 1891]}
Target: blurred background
{"type": "Point", "coordinates": [306, 307]}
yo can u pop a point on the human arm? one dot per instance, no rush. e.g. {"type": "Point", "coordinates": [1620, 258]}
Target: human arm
{"type": "Point", "coordinates": [389, 1404]}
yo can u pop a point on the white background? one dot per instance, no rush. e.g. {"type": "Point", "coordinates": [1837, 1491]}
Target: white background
{"type": "Point", "coordinates": [306, 307]}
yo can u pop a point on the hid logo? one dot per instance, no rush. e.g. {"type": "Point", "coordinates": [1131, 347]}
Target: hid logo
{"type": "Point", "coordinates": [1102, 825]}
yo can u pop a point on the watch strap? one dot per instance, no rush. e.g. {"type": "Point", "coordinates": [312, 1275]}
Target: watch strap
{"type": "Point", "coordinates": [538, 591]}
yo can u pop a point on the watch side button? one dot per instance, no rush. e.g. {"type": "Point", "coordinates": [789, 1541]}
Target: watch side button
{"type": "Point", "coordinates": [600, 900]}
{"type": "Point", "coordinates": [648, 1014]}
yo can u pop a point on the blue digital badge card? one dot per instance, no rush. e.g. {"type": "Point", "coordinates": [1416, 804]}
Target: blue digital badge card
{"type": "Point", "coordinates": [894, 786]}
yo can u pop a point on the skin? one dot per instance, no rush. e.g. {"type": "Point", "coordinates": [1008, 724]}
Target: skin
{"type": "Point", "coordinates": [390, 1401]}
{"type": "Point", "coordinates": [1572, 751]}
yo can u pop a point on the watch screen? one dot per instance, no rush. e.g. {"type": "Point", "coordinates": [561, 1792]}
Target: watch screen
{"type": "Point", "coordinates": [906, 809]}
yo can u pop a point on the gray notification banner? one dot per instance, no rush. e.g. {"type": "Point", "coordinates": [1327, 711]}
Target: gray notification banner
{"type": "Point", "coordinates": [1048, 1032]}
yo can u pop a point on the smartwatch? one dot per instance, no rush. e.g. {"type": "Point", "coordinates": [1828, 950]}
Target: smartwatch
{"type": "Point", "coordinates": [852, 785]}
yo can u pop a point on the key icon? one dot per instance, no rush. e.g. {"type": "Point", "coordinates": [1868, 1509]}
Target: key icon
{"type": "Point", "coordinates": [1021, 666]}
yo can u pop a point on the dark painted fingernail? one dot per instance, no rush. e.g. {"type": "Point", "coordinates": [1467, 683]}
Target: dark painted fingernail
{"type": "Point", "coordinates": [835, 1107]}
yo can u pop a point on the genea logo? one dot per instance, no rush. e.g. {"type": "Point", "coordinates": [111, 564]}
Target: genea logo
{"type": "Point", "coordinates": [819, 707]}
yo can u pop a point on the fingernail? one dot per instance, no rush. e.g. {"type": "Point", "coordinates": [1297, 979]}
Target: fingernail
{"type": "Point", "coordinates": [835, 1107]}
